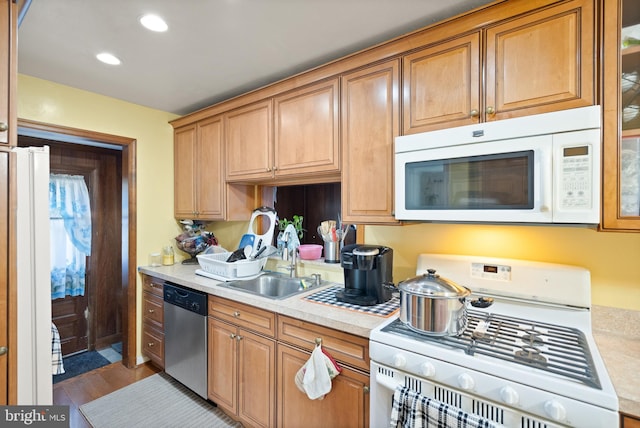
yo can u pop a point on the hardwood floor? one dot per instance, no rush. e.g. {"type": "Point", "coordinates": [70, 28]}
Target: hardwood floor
{"type": "Point", "coordinates": [86, 387]}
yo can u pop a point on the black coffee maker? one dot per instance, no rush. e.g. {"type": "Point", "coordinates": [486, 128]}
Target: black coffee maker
{"type": "Point", "coordinates": [368, 274]}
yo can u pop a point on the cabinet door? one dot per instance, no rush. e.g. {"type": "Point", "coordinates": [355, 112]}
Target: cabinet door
{"type": "Point", "coordinates": [621, 107]}
{"type": "Point", "coordinates": [256, 380]}
{"type": "Point", "coordinates": [370, 122]}
{"type": "Point", "coordinates": [249, 142]}
{"type": "Point", "coordinates": [347, 405]}
{"type": "Point", "coordinates": [541, 62]}
{"type": "Point", "coordinates": [442, 85]}
{"type": "Point", "coordinates": [8, 71]}
{"type": "Point", "coordinates": [209, 167]}
{"type": "Point", "coordinates": [222, 368]}
{"type": "Point", "coordinates": [184, 153]}
{"type": "Point", "coordinates": [307, 131]}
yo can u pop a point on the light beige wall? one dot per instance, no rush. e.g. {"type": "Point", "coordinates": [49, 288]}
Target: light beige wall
{"type": "Point", "coordinates": [51, 103]}
{"type": "Point", "coordinates": [613, 258]}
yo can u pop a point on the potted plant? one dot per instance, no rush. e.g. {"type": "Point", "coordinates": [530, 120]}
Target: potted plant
{"type": "Point", "coordinates": [282, 225]}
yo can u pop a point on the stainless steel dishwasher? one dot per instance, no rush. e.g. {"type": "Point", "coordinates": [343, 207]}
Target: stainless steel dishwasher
{"type": "Point", "coordinates": [185, 335]}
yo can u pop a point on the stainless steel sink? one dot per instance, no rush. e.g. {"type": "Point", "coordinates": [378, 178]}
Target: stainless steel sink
{"type": "Point", "coordinates": [274, 285]}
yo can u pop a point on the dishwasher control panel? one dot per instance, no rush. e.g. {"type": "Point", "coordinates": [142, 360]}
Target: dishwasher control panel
{"type": "Point", "coordinates": [186, 298]}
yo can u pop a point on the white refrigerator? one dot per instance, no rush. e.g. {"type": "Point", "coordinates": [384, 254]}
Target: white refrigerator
{"type": "Point", "coordinates": [33, 276]}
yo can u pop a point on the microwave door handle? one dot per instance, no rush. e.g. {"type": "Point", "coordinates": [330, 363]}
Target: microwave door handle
{"type": "Point", "coordinates": [542, 174]}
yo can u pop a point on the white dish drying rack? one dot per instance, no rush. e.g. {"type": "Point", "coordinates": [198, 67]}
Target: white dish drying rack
{"type": "Point", "coordinates": [216, 266]}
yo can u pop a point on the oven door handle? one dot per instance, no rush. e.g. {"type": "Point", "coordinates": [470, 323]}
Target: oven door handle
{"type": "Point", "coordinates": [387, 382]}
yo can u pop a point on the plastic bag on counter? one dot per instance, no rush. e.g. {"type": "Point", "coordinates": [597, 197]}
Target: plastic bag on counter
{"type": "Point", "coordinates": [314, 377]}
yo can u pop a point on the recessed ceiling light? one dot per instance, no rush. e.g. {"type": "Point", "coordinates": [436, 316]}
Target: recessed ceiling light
{"type": "Point", "coordinates": [107, 58]}
{"type": "Point", "coordinates": [154, 23]}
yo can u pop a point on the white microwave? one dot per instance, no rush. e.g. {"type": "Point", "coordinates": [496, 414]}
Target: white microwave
{"type": "Point", "coordinates": [542, 168]}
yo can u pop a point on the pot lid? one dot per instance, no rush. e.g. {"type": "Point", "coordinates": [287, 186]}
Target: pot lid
{"type": "Point", "coordinates": [433, 285]}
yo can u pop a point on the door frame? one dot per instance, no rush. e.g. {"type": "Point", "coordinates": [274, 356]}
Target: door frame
{"type": "Point", "coordinates": [129, 230]}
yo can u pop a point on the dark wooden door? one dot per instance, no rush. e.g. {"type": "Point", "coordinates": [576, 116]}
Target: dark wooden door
{"type": "Point", "coordinates": [92, 321]}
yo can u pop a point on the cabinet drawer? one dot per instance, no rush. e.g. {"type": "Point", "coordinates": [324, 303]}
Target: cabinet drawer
{"type": "Point", "coordinates": [345, 348]}
{"type": "Point", "coordinates": [153, 344]}
{"type": "Point", "coordinates": [152, 285]}
{"type": "Point", "coordinates": [242, 315]}
{"type": "Point", "coordinates": [153, 309]}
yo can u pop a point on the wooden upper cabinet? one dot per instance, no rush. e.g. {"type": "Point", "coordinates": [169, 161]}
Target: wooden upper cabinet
{"type": "Point", "coordinates": [541, 62]}
{"type": "Point", "coordinates": [441, 85]}
{"type": "Point", "coordinates": [370, 122]}
{"type": "Point", "coordinates": [8, 72]}
{"type": "Point", "coordinates": [307, 138]}
{"type": "Point", "coordinates": [249, 142]}
{"type": "Point", "coordinates": [198, 171]}
{"type": "Point", "coordinates": [621, 112]}
{"type": "Point", "coordinates": [184, 175]}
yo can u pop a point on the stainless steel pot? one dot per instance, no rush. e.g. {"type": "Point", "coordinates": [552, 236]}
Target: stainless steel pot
{"type": "Point", "coordinates": [433, 305]}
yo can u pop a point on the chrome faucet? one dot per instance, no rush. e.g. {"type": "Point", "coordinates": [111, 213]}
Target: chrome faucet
{"type": "Point", "coordinates": [287, 236]}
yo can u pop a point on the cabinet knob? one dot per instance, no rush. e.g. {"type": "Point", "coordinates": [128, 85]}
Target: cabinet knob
{"type": "Point", "coordinates": [268, 169]}
{"type": "Point", "coordinates": [151, 344]}
{"type": "Point", "coordinates": [366, 389]}
{"type": "Point", "coordinates": [275, 168]}
{"type": "Point", "coordinates": [474, 113]}
{"type": "Point", "coordinates": [232, 335]}
{"type": "Point", "coordinates": [236, 314]}
{"type": "Point", "coordinates": [151, 311]}
{"type": "Point", "coordinates": [238, 338]}
{"type": "Point", "coordinates": [491, 110]}
{"type": "Point", "coordinates": [3, 350]}
{"type": "Point", "coordinates": [3, 126]}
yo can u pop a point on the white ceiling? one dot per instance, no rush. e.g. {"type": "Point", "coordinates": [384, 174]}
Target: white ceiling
{"type": "Point", "coordinates": [214, 49]}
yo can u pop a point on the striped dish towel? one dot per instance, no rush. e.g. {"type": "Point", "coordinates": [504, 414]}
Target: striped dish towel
{"type": "Point", "coordinates": [413, 410]}
{"type": "Point", "coordinates": [56, 351]}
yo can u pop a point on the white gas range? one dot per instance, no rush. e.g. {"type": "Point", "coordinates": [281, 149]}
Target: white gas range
{"type": "Point", "coordinates": [528, 360]}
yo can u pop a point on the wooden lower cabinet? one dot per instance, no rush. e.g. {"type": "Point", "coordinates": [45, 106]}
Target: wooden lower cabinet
{"type": "Point", "coordinates": [347, 405]}
{"type": "Point", "coordinates": [153, 320]}
{"type": "Point", "coordinates": [629, 422]}
{"type": "Point", "coordinates": [254, 356]}
{"type": "Point", "coordinates": [241, 373]}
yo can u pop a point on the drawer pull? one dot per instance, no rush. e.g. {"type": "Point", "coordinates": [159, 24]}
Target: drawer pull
{"type": "Point", "coordinates": [236, 314]}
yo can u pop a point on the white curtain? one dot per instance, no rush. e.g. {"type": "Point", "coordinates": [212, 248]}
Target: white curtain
{"type": "Point", "coordinates": [70, 217]}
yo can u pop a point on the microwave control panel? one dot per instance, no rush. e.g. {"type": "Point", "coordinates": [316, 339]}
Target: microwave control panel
{"type": "Point", "coordinates": [576, 187]}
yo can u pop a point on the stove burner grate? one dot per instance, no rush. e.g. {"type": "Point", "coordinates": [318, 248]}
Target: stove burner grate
{"type": "Point", "coordinates": [555, 349]}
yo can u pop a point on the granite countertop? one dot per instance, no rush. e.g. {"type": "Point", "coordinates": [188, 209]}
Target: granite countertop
{"type": "Point", "coordinates": [617, 334]}
{"type": "Point", "coordinates": [616, 331]}
{"type": "Point", "coordinates": [343, 319]}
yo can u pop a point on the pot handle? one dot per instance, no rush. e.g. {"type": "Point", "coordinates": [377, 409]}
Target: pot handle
{"type": "Point", "coordinates": [389, 286]}
{"type": "Point", "coordinates": [482, 302]}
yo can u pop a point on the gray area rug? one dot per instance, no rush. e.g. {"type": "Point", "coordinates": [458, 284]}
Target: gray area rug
{"type": "Point", "coordinates": [156, 401]}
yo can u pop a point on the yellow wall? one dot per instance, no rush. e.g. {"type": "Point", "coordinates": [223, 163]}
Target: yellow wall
{"type": "Point", "coordinates": [612, 258]}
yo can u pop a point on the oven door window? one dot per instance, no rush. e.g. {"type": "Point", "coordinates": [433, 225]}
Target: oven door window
{"type": "Point", "coordinates": [503, 181]}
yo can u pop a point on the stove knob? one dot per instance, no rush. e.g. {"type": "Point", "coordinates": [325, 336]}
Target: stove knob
{"type": "Point", "coordinates": [466, 381]}
{"type": "Point", "coordinates": [399, 361]}
{"type": "Point", "coordinates": [555, 410]}
{"type": "Point", "coordinates": [427, 369]}
{"type": "Point", "coordinates": [509, 395]}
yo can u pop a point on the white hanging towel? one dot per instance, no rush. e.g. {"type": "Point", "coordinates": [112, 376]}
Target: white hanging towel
{"type": "Point", "coordinates": [413, 410]}
{"type": "Point", "coordinates": [314, 377]}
